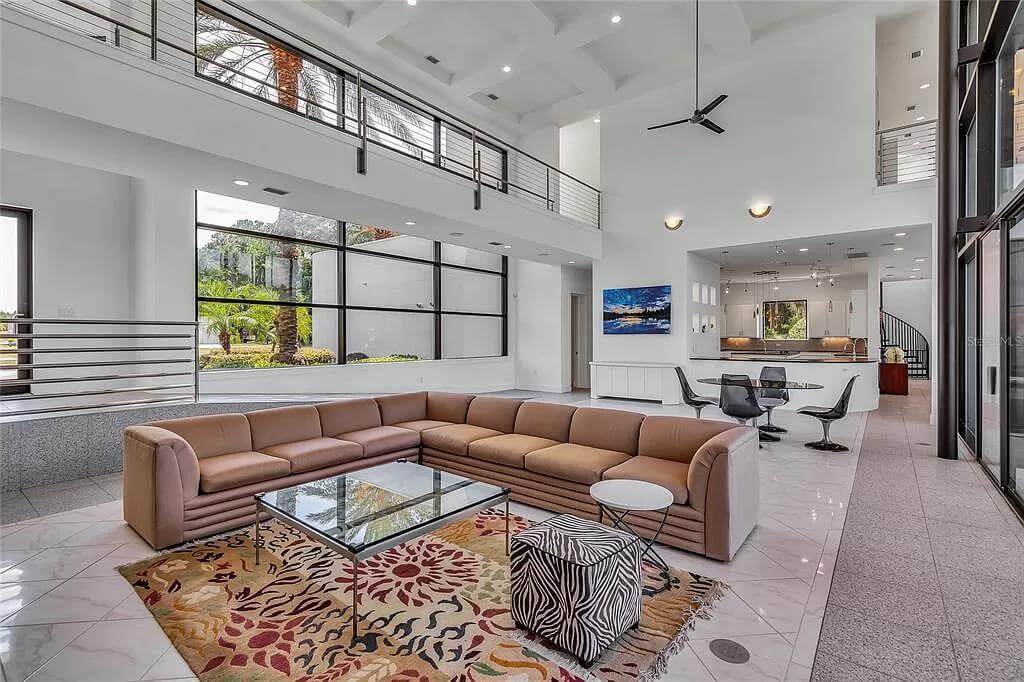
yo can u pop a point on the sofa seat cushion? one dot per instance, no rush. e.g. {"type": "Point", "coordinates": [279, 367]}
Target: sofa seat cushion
{"type": "Point", "coordinates": [315, 453]}
{"type": "Point", "coordinates": [223, 472]}
{"type": "Point", "coordinates": [571, 462]}
{"type": "Point", "coordinates": [456, 438]}
{"type": "Point", "coordinates": [508, 449]}
{"type": "Point", "coordinates": [421, 425]}
{"type": "Point", "coordinates": [381, 440]}
{"type": "Point", "coordinates": [664, 472]}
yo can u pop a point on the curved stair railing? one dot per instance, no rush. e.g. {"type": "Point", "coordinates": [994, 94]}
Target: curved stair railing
{"type": "Point", "coordinates": [899, 332]}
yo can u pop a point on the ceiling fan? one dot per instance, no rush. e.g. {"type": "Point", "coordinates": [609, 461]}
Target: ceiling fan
{"type": "Point", "coordinates": [699, 116]}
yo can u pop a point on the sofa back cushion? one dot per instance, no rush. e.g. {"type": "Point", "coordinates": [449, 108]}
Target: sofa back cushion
{"type": "Point", "coordinates": [283, 425]}
{"type": "Point", "coordinates": [448, 407]}
{"type": "Point", "coordinates": [402, 407]}
{"type": "Point", "coordinates": [493, 413]}
{"type": "Point", "coordinates": [342, 416]}
{"type": "Point", "coordinates": [213, 434]}
{"type": "Point", "coordinates": [545, 420]}
{"type": "Point", "coordinates": [677, 438]}
{"type": "Point", "coordinates": [606, 429]}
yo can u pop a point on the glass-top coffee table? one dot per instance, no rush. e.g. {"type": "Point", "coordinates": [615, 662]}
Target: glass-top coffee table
{"type": "Point", "coordinates": [362, 513]}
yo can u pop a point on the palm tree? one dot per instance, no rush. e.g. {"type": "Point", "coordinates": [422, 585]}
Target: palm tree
{"type": "Point", "coordinates": [225, 319]}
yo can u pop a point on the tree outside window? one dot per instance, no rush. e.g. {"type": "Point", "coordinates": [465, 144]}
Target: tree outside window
{"type": "Point", "coordinates": [785, 320]}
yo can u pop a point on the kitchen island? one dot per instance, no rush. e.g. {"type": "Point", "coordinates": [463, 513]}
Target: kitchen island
{"type": "Point", "coordinates": [831, 370]}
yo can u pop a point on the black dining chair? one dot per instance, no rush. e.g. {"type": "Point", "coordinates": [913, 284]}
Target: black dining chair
{"type": "Point", "coordinates": [694, 400]}
{"type": "Point", "coordinates": [827, 415]}
{"type": "Point", "coordinates": [738, 400]}
{"type": "Point", "coordinates": [773, 394]}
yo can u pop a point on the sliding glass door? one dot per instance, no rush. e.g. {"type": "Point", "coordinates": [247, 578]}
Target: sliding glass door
{"type": "Point", "coordinates": [1015, 364]}
{"type": "Point", "coordinates": [969, 350]}
{"type": "Point", "coordinates": [990, 311]}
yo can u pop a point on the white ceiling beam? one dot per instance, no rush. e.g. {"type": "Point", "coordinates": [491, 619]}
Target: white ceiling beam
{"type": "Point", "coordinates": [549, 48]}
{"type": "Point", "coordinates": [383, 20]}
{"type": "Point", "coordinates": [723, 26]}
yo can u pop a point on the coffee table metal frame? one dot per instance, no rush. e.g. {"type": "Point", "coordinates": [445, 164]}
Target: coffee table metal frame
{"type": "Point", "coordinates": [376, 548]}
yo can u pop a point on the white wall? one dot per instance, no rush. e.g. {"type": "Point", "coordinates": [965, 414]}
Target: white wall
{"type": "Point", "coordinates": [907, 300]}
{"type": "Point", "coordinates": [799, 134]}
{"type": "Point", "coordinates": [900, 77]}
{"type": "Point", "coordinates": [579, 154]}
{"type": "Point", "coordinates": [540, 353]}
{"type": "Point", "coordinates": [83, 236]}
{"type": "Point", "coordinates": [706, 274]}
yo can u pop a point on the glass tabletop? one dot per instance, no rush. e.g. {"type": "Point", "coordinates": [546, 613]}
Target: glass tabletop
{"type": "Point", "coordinates": [371, 506]}
{"type": "Point", "coordinates": [758, 383]}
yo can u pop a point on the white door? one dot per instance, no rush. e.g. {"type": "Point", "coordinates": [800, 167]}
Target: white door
{"type": "Point", "coordinates": [580, 335]}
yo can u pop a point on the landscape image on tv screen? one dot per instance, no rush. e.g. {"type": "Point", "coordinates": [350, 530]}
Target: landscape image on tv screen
{"type": "Point", "coordinates": [638, 310]}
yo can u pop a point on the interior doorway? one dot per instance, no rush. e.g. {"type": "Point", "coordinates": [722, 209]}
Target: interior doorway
{"type": "Point", "coordinates": [580, 335]}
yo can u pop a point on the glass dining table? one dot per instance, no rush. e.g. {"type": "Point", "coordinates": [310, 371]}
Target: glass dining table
{"type": "Point", "coordinates": [767, 383]}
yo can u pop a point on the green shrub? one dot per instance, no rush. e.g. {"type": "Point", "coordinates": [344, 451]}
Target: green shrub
{"type": "Point", "coordinates": [316, 356]}
{"type": "Point", "coordinates": [259, 357]}
{"type": "Point", "coordinates": [394, 357]}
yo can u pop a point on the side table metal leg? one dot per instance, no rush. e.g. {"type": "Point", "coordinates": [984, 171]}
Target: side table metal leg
{"type": "Point", "coordinates": [355, 599]}
{"type": "Point", "coordinates": [256, 537]}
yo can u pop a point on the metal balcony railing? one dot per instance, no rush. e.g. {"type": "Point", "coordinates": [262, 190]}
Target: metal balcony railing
{"type": "Point", "coordinates": [905, 154]}
{"type": "Point", "coordinates": [57, 365]}
{"type": "Point", "coordinates": [225, 42]}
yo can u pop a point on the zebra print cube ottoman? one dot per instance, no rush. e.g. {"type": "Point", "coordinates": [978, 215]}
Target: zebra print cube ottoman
{"type": "Point", "coordinates": [576, 583]}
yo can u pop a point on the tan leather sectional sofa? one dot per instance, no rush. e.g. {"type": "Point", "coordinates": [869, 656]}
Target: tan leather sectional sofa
{"type": "Point", "coordinates": [193, 477]}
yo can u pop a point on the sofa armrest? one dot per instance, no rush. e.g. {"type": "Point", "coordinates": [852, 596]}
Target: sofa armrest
{"type": "Point", "coordinates": [724, 484]}
{"type": "Point", "coordinates": [161, 472]}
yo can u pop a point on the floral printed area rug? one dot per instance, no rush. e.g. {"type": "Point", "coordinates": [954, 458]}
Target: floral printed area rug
{"type": "Point", "coordinates": [434, 608]}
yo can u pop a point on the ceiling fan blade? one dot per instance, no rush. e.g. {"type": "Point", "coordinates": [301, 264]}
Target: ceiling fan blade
{"type": "Point", "coordinates": [718, 100]}
{"type": "Point", "coordinates": [713, 127]}
{"type": "Point", "coordinates": [673, 123]}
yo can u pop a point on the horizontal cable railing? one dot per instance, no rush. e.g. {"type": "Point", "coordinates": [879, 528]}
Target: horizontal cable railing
{"type": "Point", "coordinates": [228, 43]}
{"type": "Point", "coordinates": [87, 364]}
{"type": "Point", "coordinates": [905, 154]}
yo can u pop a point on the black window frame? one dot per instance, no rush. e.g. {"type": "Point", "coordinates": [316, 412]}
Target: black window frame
{"type": "Point", "coordinates": [23, 216]}
{"type": "Point", "coordinates": [764, 318]}
{"type": "Point", "coordinates": [342, 306]}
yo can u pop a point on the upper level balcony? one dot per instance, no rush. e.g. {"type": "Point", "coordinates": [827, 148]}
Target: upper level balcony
{"type": "Point", "coordinates": [221, 93]}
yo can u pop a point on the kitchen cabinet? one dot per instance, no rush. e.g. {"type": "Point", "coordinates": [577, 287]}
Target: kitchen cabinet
{"type": "Point", "coordinates": [817, 319]}
{"type": "Point", "coordinates": [739, 320]}
{"type": "Point", "coordinates": [857, 321]}
{"type": "Point", "coordinates": [835, 319]}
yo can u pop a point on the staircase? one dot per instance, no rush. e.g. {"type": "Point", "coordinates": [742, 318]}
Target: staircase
{"type": "Point", "coordinates": [897, 332]}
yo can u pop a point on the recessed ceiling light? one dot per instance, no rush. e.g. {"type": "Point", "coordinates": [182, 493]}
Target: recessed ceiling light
{"type": "Point", "coordinates": [455, 234]}
{"type": "Point", "coordinates": [597, 120]}
{"type": "Point", "coordinates": [572, 262]}
{"type": "Point", "coordinates": [616, 18]}
{"type": "Point", "coordinates": [925, 86]}
{"type": "Point", "coordinates": [241, 183]}
{"type": "Point", "coordinates": [919, 118]}
{"type": "Point", "coordinates": [912, 276]}
{"type": "Point", "coordinates": [917, 269]}
{"type": "Point", "coordinates": [919, 260]}
{"type": "Point", "coordinates": [506, 68]}
{"type": "Point", "coordinates": [410, 222]}
{"type": "Point", "coordinates": [803, 249]}
{"type": "Point", "coordinates": [411, 3]}
{"type": "Point", "coordinates": [901, 234]}
{"type": "Point", "coordinates": [507, 246]}
{"type": "Point", "coordinates": [898, 248]}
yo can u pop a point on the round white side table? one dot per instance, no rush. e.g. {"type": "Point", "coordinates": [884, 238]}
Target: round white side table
{"type": "Point", "coordinates": [617, 498]}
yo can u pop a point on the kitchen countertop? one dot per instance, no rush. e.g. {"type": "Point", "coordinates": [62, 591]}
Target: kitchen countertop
{"type": "Point", "coordinates": [798, 357]}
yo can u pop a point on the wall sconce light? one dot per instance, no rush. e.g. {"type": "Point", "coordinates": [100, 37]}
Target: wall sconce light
{"type": "Point", "coordinates": [760, 210]}
{"type": "Point", "coordinates": [830, 305]}
{"type": "Point", "coordinates": [673, 223]}
{"type": "Point", "coordinates": [851, 307]}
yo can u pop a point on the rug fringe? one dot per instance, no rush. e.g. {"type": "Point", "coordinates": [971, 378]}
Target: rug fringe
{"type": "Point", "coordinates": [659, 666]}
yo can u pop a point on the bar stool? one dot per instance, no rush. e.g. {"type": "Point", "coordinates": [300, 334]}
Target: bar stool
{"type": "Point", "coordinates": [694, 400]}
{"type": "Point", "coordinates": [827, 415]}
{"type": "Point", "coordinates": [773, 396]}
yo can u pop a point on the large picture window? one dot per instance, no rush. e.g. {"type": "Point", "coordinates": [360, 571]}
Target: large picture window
{"type": "Point", "coordinates": [281, 288]}
{"type": "Point", "coordinates": [784, 320]}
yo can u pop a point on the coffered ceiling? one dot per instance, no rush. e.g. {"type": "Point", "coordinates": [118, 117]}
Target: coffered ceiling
{"type": "Point", "coordinates": [566, 59]}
